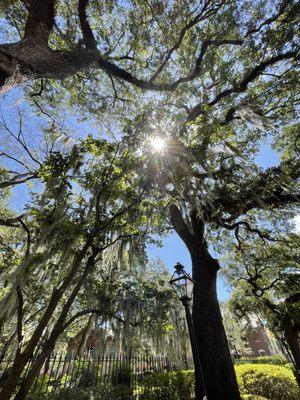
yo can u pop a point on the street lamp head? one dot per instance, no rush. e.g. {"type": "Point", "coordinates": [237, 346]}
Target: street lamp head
{"type": "Point", "coordinates": [182, 283]}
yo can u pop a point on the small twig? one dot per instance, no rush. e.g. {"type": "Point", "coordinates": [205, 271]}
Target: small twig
{"type": "Point", "coordinates": [28, 237]}
{"type": "Point", "coordinates": [42, 88]}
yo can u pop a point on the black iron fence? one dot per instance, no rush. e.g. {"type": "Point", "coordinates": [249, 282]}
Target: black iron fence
{"type": "Point", "coordinates": [66, 372]}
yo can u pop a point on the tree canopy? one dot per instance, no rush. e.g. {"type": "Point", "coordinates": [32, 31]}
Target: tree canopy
{"type": "Point", "coordinates": [215, 81]}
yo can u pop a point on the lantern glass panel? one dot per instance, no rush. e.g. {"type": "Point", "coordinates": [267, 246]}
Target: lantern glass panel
{"type": "Point", "coordinates": [180, 286]}
{"type": "Point", "coordinates": [189, 289]}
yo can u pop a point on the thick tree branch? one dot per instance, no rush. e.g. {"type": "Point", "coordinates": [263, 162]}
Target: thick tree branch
{"type": "Point", "coordinates": [16, 181]}
{"type": "Point", "coordinates": [11, 222]}
{"type": "Point", "coordinates": [293, 298]}
{"type": "Point", "coordinates": [28, 236]}
{"type": "Point", "coordinates": [268, 190]}
{"type": "Point", "coordinates": [40, 20]}
{"type": "Point", "coordinates": [88, 36]}
{"type": "Point", "coordinates": [180, 225]}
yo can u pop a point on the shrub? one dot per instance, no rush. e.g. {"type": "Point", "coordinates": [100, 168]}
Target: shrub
{"type": "Point", "coordinates": [108, 392]}
{"type": "Point", "coordinates": [159, 394]}
{"type": "Point", "coordinates": [256, 382]}
{"type": "Point", "coordinates": [62, 394]}
{"type": "Point", "coordinates": [273, 382]}
{"type": "Point", "coordinates": [122, 375]}
{"type": "Point", "coordinates": [185, 382]}
{"type": "Point", "coordinates": [274, 360]}
{"type": "Point", "coordinates": [176, 385]}
{"type": "Point", "coordinates": [101, 392]}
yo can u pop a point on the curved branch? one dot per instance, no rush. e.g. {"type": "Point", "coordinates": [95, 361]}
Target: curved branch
{"type": "Point", "coordinates": [88, 36]}
{"type": "Point", "coordinates": [12, 222]}
{"type": "Point", "coordinates": [80, 314]}
{"type": "Point", "coordinates": [202, 15]}
{"type": "Point", "coordinates": [247, 226]}
{"type": "Point", "coordinates": [14, 182]}
{"type": "Point", "coordinates": [180, 225]}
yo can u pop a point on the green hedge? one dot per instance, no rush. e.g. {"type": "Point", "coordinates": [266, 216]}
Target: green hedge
{"type": "Point", "coordinates": [101, 392]}
{"type": "Point", "coordinates": [274, 360]}
{"type": "Point", "coordinates": [176, 385]}
{"type": "Point", "coordinates": [273, 382]}
{"type": "Point", "coordinates": [256, 382]}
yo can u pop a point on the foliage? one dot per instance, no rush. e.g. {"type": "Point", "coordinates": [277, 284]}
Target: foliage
{"type": "Point", "coordinates": [177, 385]}
{"type": "Point", "coordinates": [122, 375]}
{"type": "Point", "coordinates": [273, 360]}
{"type": "Point", "coordinates": [235, 333]}
{"type": "Point", "coordinates": [256, 381]}
{"type": "Point", "coordinates": [101, 392]}
{"type": "Point", "coordinates": [80, 214]}
{"type": "Point", "coordinates": [224, 71]}
{"type": "Point", "coordinates": [274, 382]}
{"type": "Point", "coordinates": [265, 278]}
{"type": "Point", "coordinates": [270, 381]}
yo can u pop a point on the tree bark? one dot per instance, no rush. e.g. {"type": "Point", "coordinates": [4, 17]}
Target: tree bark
{"type": "Point", "coordinates": [18, 61]}
{"type": "Point", "coordinates": [219, 376]}
{"type": "Point", "coordinates": [40, 20]}
{"type": "Point", "coordinates": [30, 60]}
{"type": "Point", "coordinates": [217, 367]}
{"type": "Point", "coordinates": [291, 335]}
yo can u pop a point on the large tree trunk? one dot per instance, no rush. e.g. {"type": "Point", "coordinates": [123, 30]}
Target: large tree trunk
{"type": "Point", "coordinates": [217, 367]}
{"type": "Point", "coordinates": [218, 372]}
{"type": "Point", "coordinates": [291, 335]}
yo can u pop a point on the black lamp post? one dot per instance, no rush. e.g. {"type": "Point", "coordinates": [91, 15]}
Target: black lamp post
{"type": "Point", "coordinates": [183, 285]}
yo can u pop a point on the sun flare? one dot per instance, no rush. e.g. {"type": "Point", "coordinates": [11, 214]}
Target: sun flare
{"type": "Point", "coordinates": [158, 143]}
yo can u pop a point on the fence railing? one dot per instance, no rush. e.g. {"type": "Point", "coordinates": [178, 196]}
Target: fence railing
{"type": "Point", "coordinates": [64, 371]}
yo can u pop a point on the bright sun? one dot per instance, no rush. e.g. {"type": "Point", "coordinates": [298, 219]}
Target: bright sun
{"type": "Point", "coordinates": [158, 143]}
